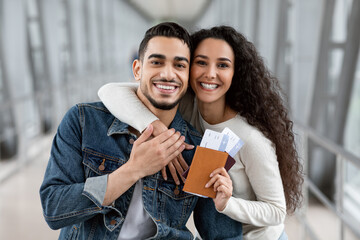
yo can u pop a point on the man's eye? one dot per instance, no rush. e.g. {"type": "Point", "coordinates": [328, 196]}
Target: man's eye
{"type": "Point", "coordinates": [155, 62]}
{"type": "Point", "coordinates": [179, 65]}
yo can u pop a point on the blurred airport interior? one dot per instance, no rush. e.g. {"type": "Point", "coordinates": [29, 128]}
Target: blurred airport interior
{"type": "Point", "coordinates": [56, 53]}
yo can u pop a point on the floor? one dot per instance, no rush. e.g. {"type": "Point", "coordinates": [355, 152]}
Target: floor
{"type": "Point", "coordinates": [21, 214]}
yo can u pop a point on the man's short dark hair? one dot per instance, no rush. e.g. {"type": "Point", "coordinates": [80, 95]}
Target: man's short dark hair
{"type": "Point", "coordinates": [165, 29]}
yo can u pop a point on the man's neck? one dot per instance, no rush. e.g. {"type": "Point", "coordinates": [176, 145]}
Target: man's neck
{"type": "Point", "coordinates": [165, 116]}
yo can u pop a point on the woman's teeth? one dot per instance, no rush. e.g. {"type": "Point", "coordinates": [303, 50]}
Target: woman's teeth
{"type": "Point", "coordinates": [209, 86]}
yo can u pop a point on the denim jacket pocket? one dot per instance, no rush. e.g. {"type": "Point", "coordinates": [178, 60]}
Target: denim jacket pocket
{"type": "Point", "coordinates": [175, 204]}
{"type": "Point", "coordinates": [97, 163]}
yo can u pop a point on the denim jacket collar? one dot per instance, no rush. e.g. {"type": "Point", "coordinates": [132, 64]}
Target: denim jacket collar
{"type": "Point", "coordinates": [118, 127]}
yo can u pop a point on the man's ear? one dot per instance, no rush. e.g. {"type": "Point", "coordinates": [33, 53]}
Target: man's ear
{"type": "Point", "coordinates": [136, 67]}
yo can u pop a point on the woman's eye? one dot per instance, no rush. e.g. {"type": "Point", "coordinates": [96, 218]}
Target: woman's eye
{"type": "Point", "coordinates": [223, 65]}
{"type": "Point", "coordinates": [202, 63]}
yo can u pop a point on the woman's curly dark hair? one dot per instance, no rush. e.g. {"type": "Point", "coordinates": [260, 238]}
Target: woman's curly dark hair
{"type": "Point", "coordinates": [256, 95]}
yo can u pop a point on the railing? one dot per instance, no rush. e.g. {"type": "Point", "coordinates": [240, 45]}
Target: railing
{"type": "Point", "coordinates": [342, 157]}
{"type": "Point", "coordinates": [84, 89]}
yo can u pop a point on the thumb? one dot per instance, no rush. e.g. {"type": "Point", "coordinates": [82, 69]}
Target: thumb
{"type": "Point", "coordinates": [146, 134]}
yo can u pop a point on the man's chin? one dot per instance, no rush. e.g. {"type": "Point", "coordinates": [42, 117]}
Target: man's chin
{"type": "Point", "coordinates": [165, 106]}
{"type": "Point", "coordinates": [161, 102]}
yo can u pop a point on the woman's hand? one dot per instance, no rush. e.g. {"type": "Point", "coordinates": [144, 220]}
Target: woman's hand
{"type": "Point", "coordinates": [222, 184]}
{"type": "Point", "coordinates": [178, 165]}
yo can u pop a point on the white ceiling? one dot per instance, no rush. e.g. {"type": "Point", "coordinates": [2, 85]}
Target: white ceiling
{"type": "Point", "coordinates": [175, 10]}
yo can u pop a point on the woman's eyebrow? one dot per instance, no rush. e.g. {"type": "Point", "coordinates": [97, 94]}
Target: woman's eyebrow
{"type": "Point", "coordinates": [220, 58]}
{"type": "Point", "coordinates": [224, 59]}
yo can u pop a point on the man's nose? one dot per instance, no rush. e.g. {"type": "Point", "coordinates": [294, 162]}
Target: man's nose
{"type": "Point", "coordinates": [168, 73]}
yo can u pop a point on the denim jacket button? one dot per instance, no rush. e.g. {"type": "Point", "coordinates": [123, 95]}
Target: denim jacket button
{"type": "Point", "coordinates": [113, 222]}
{"type": "Point", "coordinates": [176, 191]}
{"type": "Point", "coordinates": [102, 166]}
{"type": "Point", "coordinates": [131, 141]}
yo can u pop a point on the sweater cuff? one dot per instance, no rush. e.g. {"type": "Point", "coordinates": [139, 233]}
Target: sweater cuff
{"type": "Point", "coordinates": [228, 207]}
{"type": "Point", "coordinates": [141, 126]}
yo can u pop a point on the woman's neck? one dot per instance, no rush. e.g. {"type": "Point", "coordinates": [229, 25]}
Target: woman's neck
{"type": "Point", "coordinates": [215, 112]}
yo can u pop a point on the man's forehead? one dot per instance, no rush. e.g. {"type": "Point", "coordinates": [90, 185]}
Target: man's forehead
{"type": "Point", "coordinates": [169, 47]}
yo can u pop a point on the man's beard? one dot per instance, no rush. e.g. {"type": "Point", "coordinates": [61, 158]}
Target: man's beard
{"type": "Point", "coordinates": [158, 105]}
{"type": "Point", "coordinates": [162, 106]}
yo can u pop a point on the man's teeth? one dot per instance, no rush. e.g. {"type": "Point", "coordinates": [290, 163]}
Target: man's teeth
{"type": "Point", "coordinates": [165, 87]}
{"type": "Point", "coordinates": [209, 86]}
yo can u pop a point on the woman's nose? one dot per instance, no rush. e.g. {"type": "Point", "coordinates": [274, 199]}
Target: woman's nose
{"type": "Point", "coordinates": [210, 73]}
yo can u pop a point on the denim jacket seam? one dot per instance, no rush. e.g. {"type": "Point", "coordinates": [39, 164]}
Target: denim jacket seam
{"type": "Point", "coordinates": [81, 118]}
{"type": "Point", "coordinates": [110, 158]}
{"type": "Point", "coordinates": [94, 107]}
{"type": "Point", "coordinates": [93, 168]}
{"type": "Point", "coordinates": [114, 226]}
{"type": "Point", "coordinates": [194, 133]}
{"type": "Point", "coordinates": [99, 206]}
{"type": "Point", "coordinates": [72, 214]}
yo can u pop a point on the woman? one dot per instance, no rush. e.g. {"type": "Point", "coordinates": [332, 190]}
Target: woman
{"type": "Point", "coordinates": [234, 89]}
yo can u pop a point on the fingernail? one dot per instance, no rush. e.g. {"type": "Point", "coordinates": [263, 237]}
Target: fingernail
{"type": "Point", "coordinates": [165, 178]}
{"type": "Point", "coordinates": [211, 175]}
{"type": "Point", "coordinates": [191, 146]}
{"type": "Point", "coordinates": [177, 182]}
{"type": "Point", "coordinates": [207, 185]}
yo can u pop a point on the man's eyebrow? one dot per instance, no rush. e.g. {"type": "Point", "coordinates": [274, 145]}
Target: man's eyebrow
{"type": "Point", "coordinates": [206, 57]}
{"type": "Point", "coordinates": [155, 55]}
{"type": "Point", "coordinates": [181, 59]}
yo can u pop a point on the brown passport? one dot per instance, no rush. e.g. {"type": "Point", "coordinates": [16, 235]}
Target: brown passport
{"type": "Point", "coordinates": [205, 161]}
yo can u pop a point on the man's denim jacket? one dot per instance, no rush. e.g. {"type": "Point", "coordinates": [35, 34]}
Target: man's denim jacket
{"type": "Point", "coordinates": [90, 144]}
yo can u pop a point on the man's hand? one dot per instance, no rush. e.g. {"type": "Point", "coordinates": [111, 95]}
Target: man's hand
{"type": "Point", "coordinates": [222, 184]}
{"type": "Point", "coordinates": [150, 156]}
{"type": "Point", "coordinates": [147, 157]}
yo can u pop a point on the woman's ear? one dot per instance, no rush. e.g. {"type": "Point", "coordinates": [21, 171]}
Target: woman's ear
{"type": "Point", "coordinates": [136, 67]}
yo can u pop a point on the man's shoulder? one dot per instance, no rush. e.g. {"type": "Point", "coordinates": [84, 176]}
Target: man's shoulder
{"type": "Point", "coordinates": [92, 106]}
{"type": "Point", "coordinates": [88, 110]}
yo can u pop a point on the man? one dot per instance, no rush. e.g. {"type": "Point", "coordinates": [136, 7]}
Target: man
{"type": "Point", "coordinates": [100, 183]}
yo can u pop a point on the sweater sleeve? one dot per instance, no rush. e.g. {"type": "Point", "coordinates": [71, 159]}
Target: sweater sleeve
{"type": "Point", "coordinates": [121, 100]}
{"type": "Point", "coordinates": [261, 167]}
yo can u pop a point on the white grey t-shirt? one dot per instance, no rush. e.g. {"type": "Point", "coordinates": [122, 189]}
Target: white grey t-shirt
{"type": "Point", "coordinates": [138, 223]}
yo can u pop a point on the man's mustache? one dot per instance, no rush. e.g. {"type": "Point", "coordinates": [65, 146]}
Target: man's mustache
{"type": "Point", "coordinates": [163, 80]}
